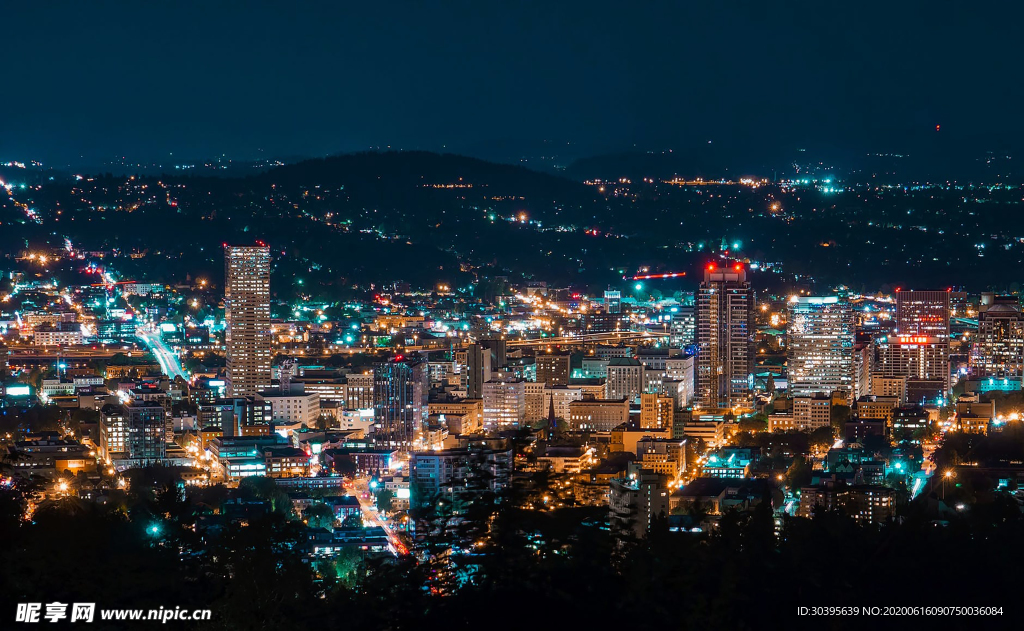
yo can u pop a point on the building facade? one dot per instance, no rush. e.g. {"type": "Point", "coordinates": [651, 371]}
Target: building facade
{"type": "Point", "coordinates": [247, 316]}
{"type": "Point", "coordinates": [820, 340]}
{"type": "Point", "coordinates": [725, 353]}
{"type": "Point", "coordinates": [400, 409]}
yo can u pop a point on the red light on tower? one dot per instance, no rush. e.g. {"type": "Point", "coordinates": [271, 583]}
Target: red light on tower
{"type": "Point", "coordinates": [738, 267]}
{"type": "Point", "coordinates": [711, 267]}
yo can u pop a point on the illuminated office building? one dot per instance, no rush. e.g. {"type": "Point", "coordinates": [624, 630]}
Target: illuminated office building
{"type": "Point", "coordinates": [922, 360]}
{"type": "Point", "coordinates": [725, 349]}
{"type": "Point", "coordinates": [400, 391]}
{"type": "Point", "coordinates": [820, 340]}
{"type": "Point", "coordinates": [998, 350]}
{"type": "Point", "coordinates": [247, 315]}
{"type": "Point", "coordinates": [920, 349]}
{"type": "Point", "coordinates": [553, 370]}
{"type": "Point", "coordinates": [922, 313]}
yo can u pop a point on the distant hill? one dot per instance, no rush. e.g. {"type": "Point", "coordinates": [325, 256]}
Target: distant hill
{"type": "Point", "coordinates": [708, 160]}
{"type": "Point", "coordinates": [397, 173]}
{"type": "Point", "coordinates": [925, 156]}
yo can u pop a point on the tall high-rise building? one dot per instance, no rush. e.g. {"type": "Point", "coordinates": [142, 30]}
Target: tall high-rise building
{"type": "Point", "coordinates": [998, 349]}
{"type": "Point", "coordinates": [922, 360]}
{"type": "Point", "coordinates": [725, 341]}
{"type": "Point", "coordinates": [247, 314]}
{"type": "Point", "coordinates": [820, 339]}
{"type": "Point", "coordinates": [553, 370]}
{"type": "Point", "coordinates": [922, 313]}
{"type": "Point", "coordinates": [145, 422]}
{"type": "Point", "coordinates": [922, 344]}
{"type": "Point", "coordinates": [400, 392]}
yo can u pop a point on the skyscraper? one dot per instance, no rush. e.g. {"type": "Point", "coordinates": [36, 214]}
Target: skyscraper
{"type": "Point", "coordinates": [400, 391]}
{"type": "Point", "coordinates": [820, 339]}
{"type": "Point", "coordinates": [922, 313]}
{"type": "Point", "coordinates": [922, 360]}
{"type": "Point", "coordinates": [725, 355]}
{"type": "Point", "coordinates": [247, 314]}
{"type": "Point", "coordinates": [921, 350]}
{"type": "Point", "coordinates": [998, 350]}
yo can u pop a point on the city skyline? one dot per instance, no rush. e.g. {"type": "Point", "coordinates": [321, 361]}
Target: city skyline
{"type": "Point", "coordinates": [390, 315]}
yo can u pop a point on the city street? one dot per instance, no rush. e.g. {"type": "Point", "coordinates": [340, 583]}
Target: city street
{"type": "Point", "coordinates": [167, 359]}
{"type": "Point", "coordinates": [372, 517]}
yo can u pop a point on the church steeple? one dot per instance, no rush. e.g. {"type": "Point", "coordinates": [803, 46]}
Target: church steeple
{"type": "Point", "coordinates": [551, 414]}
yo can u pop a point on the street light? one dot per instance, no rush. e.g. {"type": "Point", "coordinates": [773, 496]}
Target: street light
{"type": "Point", "coordinates": [948, 474]}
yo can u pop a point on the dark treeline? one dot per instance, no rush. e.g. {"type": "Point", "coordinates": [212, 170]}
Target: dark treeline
{"type": "Point", "coordinates": [545, 570]}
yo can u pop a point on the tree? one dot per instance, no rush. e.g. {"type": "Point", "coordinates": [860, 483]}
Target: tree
{"type": "Point", "coordinates": [343, 567]}
{"type": "Point", "coordinates": [355, 520]}
{"type": "Point", "coordinates": [319, 515]}
{"type": "Point", "coordinates": [840, 416]}
{"type": "Point", "coordinates": [822, 437]}
{"type": "Point", "coordinates": [384, 498]}
{"type": "Point", "coordinates": [266, 490]}
{"type": "Point", "coordinates": [753, 423]}
{"type": "Point", "coordinates": [324, 421]}
{"type": "Point", "coordinates": [799, 473]}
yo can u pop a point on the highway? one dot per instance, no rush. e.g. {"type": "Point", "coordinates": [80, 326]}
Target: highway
{"type": "Point", "coordinates": [168, 361]}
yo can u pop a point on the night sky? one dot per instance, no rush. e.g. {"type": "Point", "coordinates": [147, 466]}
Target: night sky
{"type": "Point", "coordinates": [90, 81]}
